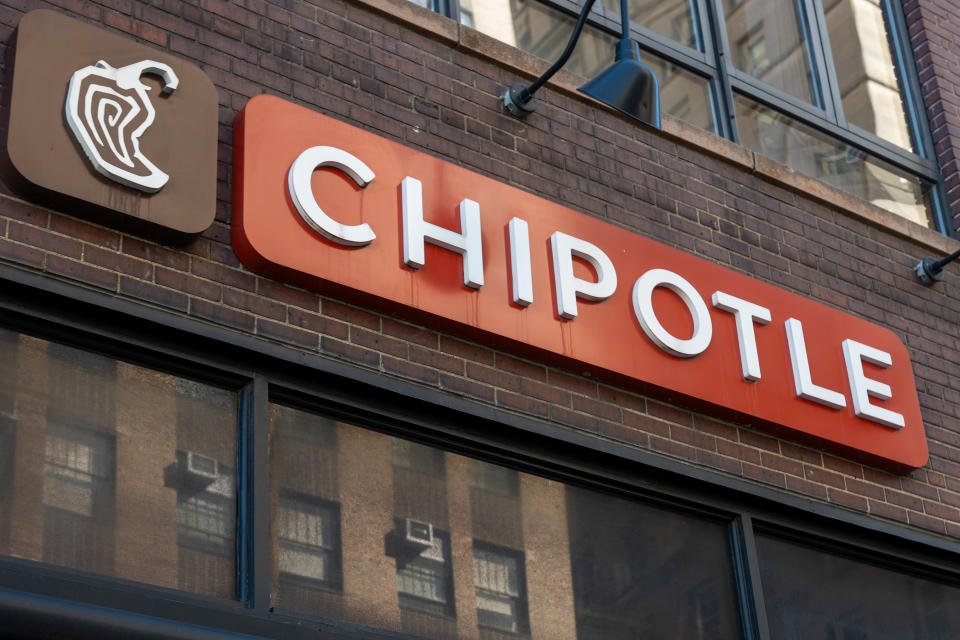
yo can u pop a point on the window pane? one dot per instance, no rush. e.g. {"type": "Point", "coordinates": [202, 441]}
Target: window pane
{"type": "Point", "coordinates": [641, 571]}
{"type": "Point", "coordinates": [670, 18]}
{"type": "Point", "coordinates": [768, 42]}
{"type": "Point", "coordinates": [544, 32]}
{"type": "Point", "coordinates": [116, 469]}
{"type": "Point", "coordinates": [817, 595]}
{"type": "Point", "coordinates": [869, 83]}
{"type": "Point", "coordinates": [540, 30]}
{"type": "Point", "coordinates": [802, 148]}
{"type": "Point", "coordinates": [440, 546]}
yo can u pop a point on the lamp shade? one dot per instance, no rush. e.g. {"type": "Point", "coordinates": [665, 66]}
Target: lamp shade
{"type": "Point", "coordinates": [629, 86]}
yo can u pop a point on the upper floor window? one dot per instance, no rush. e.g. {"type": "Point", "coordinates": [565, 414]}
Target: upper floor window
{"type": "Point", "coordinates": [825, 86]}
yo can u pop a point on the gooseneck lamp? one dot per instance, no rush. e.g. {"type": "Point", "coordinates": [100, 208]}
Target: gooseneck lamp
{"type": "Point", "coordinates": [629, 86]}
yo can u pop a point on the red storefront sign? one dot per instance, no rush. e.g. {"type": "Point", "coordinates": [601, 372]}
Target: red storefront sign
{"type": "Point", "coordinates": [343, 211]}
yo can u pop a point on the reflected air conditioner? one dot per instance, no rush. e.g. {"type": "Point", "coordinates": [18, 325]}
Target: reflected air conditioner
{"type": "Point", "coordinates": [417, 535]}
{"type": "Point", "coordinates": [201, 468]}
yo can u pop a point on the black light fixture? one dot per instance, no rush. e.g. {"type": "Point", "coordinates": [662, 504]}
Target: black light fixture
{"type": "Point", "coordinates": [930, 271]}
{"type": "Point", "coordinates": [629, 86]}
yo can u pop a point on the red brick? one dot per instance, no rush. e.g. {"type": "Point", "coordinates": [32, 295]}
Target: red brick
{"type": "Point", "coordinates": [410, 333]}
{"type": "Point", "coordinates": [378, 342]}
{"type": "Point", "coordinates": [153, 294]}
{"type": "Point", "coordinates": [673, 448]}
{"type": "Point", "coordinates": [349, 352]}
{"type": "Point", "coordinates": [847, 499]}
{"type": "Point", "coordinates": [521, 367]}
{"type": "Point", "coordinates": [221, 314]}
{"type": "Point", "coordinates": [77, 229]}
{"type": "Point", "coordinates": [317, 323]}
{"type": "Point", "coordinates": [466, 387]}
{"type": "Point", "coordinates": [574, 384]}
{"type": "Point", "coordinates": [286, 333]}
{"type": "Point", "coordinates": [349, 314]}
{"type": "Point", "coordinates": [43, 239]}
{"type": "Point", "coordinates": [886, 510]}
{"type": "Point", "coordinates": [645, 423]}
{"type": "Point", "coordinates": [82, 272]}
{"type": "Point", "coordinates": [522, 403]}
{"type": "Point", "coordinates": [466, 350]}
{"type": "Point", "coordinates": [807, 488]}
{"type": "Point", "coordinates": [625, 434]}
{"type": "Point", "coordinates": [437, 360]}
{"type": "Point", "coordinates": [723, 463]}
{"type": "Point", "coordinates": [21, 253]}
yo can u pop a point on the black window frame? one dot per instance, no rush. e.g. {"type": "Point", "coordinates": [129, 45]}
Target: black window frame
{"type": "Point", "coordinates": [43, 599]}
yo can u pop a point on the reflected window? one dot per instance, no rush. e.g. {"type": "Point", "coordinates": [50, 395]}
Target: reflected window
{"type": "Point", "coordinates": [768, 42]}
{"type": "Point", "coordinates": [309, 540]}
{"type": "Point", "coordinates": [493, 478]}
{"type": "Point", "coordinates": [78, 473]}
{"type": "Point", "coordinates": [774, 134]}
{"type": "Point", "coordinates": [424, 581]}
{"type": "Point", "coordinates": [870, 87]}
{"type": "Point", "coordinates": [499, 582]}
{"type": "Point", "coordinates": [205, 504]}
{"type": "Point", "coordinates": [417, 457]}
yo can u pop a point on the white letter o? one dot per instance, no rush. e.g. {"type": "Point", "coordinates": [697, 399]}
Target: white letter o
{"type": "Point", "coordinates": [643, 308]}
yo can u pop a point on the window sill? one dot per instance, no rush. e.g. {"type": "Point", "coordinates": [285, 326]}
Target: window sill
{"type": "Point", "coordinates": [678, 131]}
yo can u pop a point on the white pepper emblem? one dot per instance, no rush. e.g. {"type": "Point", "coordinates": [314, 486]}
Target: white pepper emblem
{"type": "Point", "coordinates": [108, 109]}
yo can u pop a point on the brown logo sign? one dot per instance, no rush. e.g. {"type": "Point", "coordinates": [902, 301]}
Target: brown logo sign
{"type": "Point", "coordinates": [109, 128]}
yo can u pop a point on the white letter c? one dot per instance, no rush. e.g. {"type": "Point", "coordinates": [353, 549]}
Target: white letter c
{"type": "Point", "coordinates": [298, 182]}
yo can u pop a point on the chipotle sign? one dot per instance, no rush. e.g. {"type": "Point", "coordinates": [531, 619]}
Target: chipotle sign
{"type": "Point", "coordinates": [105, 127]}
{"type": "Point", "coordinates": [343, 211]}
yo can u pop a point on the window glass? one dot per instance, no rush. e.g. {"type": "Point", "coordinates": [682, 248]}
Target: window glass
{"type": "Point", "coordinates": [768, 41]}
{"type": "Point", "coordinates": [868, 79]}
{"type": "Point", "coordinates": [544, 32]}
{"type": "Point", "coordinates": [812, 594]}
{"type": "Point", "coordinates": [440, 546]}
{"type": "Point", "coordinates": [116, 469]}
{"type": "Point", "coordinates": [670, 18]}
{"type": "Point", "coordinates": [641, 571]}
{"type": "Point", "coordinates": [802, 148]}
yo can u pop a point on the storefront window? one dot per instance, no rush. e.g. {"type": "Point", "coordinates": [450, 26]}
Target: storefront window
{"type": "Point", "coordinates": [815, 594]}
{"type": "Point", "coordinates": [116, 469]}
{"type": "Point", "coordinates": [442, 546]}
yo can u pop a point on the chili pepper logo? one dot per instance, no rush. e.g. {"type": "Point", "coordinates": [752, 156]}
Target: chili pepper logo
{"type": "Point", "coordinates": [108, 109]}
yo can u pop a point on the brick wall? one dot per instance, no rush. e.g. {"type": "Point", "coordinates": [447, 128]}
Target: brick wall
{"type": "Point", "coordinates": [934, 27]}
{"type": "Point", "coordinates": [434, 87]}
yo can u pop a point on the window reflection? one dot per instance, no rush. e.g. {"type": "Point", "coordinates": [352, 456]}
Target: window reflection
{"type": "Point", "coordinates": [116, 469]}
{"type": "Point", "coordinates": [811, 594]}
{"type": "Point", "coordinates": [768, 41]}
{"type": "Point", "coordinates": [538, 29]}
{"type": "Point", "coordinates": [441, 546]}
{"type": "Point", "coordinates": [670, 18]}
{"type": "Point", "coordinates": [868, 80]}
{"type": "Point", "coordinates": [802, 148]}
